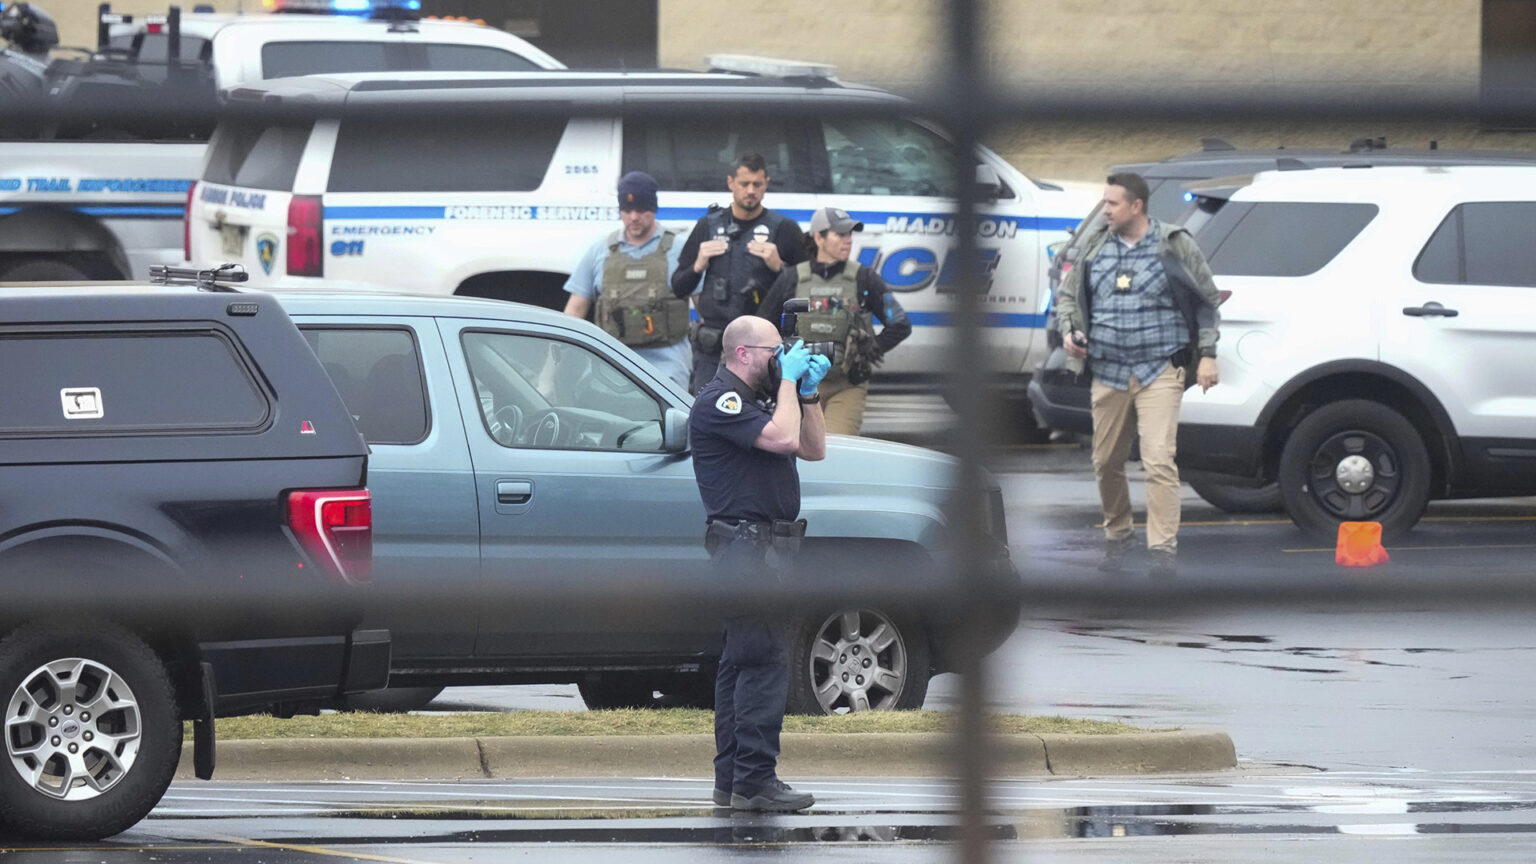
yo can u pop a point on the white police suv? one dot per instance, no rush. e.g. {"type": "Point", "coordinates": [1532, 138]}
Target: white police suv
{"type": "Point", "coordinates": [311, 37]}
{"type": "Point", "coordinates": [103, 195]}
{"type": "Point", "coordinates": [1377, 344]}
{"type": "Point", "coordinates": [493, 185]}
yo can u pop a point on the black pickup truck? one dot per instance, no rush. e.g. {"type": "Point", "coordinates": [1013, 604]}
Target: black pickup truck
{"type": "Point", "coordinates": [184, 529]}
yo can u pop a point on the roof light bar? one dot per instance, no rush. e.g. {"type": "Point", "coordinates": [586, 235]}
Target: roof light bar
{"type": "Point", "coordinates": [343, 7]}
{"type": "Point", "coordinates": [748, 64]}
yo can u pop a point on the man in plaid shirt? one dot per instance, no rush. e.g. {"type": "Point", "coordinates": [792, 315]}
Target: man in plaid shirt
{"type": "Point", "coordinates": [1140, 307]}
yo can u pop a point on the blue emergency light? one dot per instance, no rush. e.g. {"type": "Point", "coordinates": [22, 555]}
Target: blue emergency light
{"type": "Point", "coordinates": [344, 7]}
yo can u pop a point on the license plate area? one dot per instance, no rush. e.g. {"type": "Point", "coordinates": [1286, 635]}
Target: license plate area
{"type": "Point", "coordinates": [233, 239]}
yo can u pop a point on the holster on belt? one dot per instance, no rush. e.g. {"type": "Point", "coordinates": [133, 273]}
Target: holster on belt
{"type": "Point", "coordinates": [783, 535]}
{"type": "Point", "coordinates": [706, 339]}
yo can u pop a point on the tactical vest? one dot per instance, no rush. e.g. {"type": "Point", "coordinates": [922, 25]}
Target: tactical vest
{"type": "Point", "coordinates": [848, 327]}
{"type": "Point", "coordinates": [636, 303]}
{"type": "Point", "coordinates": [734, 283]}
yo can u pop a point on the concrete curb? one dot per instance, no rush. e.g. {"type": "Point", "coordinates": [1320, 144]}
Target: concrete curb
{"type": "Point", "coordinates": [805, 755]}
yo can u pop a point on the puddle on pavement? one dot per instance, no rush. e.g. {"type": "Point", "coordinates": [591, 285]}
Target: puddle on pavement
{"type": "Point", "coordinates": [1246, 646]}
{"type": "Point", "coordinates": [754, 829]}
{"type": "Point", "coordinates": [1164, 820]}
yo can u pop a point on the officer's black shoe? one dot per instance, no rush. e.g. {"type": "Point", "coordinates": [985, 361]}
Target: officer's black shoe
{"type": "Point", "coordinates": [722, 797]}
{"type": "Point", "coordinates": [776, 797]}
{"type": "Point", "coordinates": [1164, 564]}
{"type": "Point", "coordinates": [1115, 552]}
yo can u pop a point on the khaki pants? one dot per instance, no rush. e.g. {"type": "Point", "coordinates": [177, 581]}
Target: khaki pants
{"type": "Point", "coordinates": [1155, 408]}
{"type": "Point", "coordinates": [843, 405]}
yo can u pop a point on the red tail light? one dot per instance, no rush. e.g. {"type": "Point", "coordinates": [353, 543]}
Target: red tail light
{"type": "Point", "coordinates": [335, 527]}
{"type": "Point", "coordinates": [186, 223]}
{"type": "Point", "coordinates": [304, 241]}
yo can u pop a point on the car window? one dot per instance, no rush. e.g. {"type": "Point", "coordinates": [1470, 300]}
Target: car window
{"type": "Point", "coordinates": [548, 394]}
{"type": "Point", "coordinates": [315, 57]}
{"type": "Point", "coordinates": [496, 153]}
{"type": "Point", "coordinates": [1441, 260]}
{"type": "Point", "coordinates": [882, 156]}
{"type": "Point", "coordinates": [688, 155]}
{"type": "Point", "coordinates": [156, 47]}
{"type": "Point", "coordinates": [1482, 243]}
{"type": "Point", "coordinates": [256, 155]}
{"type": "Point", "coordinates": [1166, 203]}
{"type": "Point", "coordinates": [1280, 238]}
{"type": "Point", "coordinates": [378, 374]}
{"type": "Point", "coordinates": [149, 381]}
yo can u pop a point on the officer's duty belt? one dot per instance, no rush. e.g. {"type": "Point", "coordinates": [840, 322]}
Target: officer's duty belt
{"type": "Point", "coordinates": [782, 534]}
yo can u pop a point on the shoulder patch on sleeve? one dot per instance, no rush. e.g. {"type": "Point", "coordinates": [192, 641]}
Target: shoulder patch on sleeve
{"type": "Point", "coordinates": [729, 403]}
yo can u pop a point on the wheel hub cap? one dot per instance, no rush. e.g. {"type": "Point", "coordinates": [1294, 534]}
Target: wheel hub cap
{"type": "Point", "coordinates": [854, 670]}
{"type": "Point", "coordinates": [72, 729]}
{"type": "Point", "coordinates": [1355, 474]}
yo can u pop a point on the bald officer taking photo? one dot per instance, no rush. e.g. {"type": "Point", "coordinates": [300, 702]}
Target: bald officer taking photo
{"type": "Point", "coordinates": [759, 414]}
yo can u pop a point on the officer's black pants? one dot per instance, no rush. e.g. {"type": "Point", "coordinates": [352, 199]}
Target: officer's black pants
{"type": "Point", "coordinates": [704, 368]}
{"type": "Point", "coordinates": [752, 684]}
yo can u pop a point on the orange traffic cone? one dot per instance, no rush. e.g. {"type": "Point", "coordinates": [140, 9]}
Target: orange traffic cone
{"type": "Point", "coordinates": [1360, 545]}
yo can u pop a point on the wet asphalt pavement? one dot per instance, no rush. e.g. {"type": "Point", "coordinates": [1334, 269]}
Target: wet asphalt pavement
{"type": "Point", "coordinates": [1363, 735]}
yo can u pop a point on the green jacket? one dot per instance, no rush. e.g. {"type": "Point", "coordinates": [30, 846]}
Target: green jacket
{"type": "Point", "coordinates": [1194, 290]}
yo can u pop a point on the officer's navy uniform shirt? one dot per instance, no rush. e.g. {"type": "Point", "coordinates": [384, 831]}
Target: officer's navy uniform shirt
{"type": "Point", "coordinates": [737, 480]}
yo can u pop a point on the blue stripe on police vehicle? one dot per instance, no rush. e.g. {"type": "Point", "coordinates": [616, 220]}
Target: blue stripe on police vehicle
{"type": "Point", "coordinates": [904, 269]}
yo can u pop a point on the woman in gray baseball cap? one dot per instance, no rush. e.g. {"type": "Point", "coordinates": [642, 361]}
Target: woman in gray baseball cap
{"type": "Point", "coordinates": [842, 305]}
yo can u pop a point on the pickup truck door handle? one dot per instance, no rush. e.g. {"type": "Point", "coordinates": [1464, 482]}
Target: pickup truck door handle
{"type": "Point", "coordinates": [513, 491]}
{"type": "Point", "coordinates": [1429, 309]}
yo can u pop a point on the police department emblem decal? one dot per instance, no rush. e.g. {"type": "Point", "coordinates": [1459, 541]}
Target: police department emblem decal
{"type": "Point", "coordinates": [729, 403]}
{"type": "Point", "coordinates": [761, 233]}
{"type": "Point", "coordinates": [266, 251]}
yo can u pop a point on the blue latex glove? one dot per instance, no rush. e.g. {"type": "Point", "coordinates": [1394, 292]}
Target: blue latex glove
{"type": "Point", "coordinates": [820, 366]}
{"type": "Point", "coordinates": [795, 361]}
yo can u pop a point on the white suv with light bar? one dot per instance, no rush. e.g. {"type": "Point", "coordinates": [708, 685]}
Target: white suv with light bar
{"type": "Point", "coordinates": [308, 37]}
{"type": "Point", "coordinates": [1377, 344]}
{"type": "Point", "coordinates": [104, 197]}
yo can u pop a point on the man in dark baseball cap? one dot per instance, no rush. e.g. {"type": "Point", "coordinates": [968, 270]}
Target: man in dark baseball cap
{"type": "Point", "coordinates": [626, 275]}
{"type": "Point", "coordinates": [637, 191]}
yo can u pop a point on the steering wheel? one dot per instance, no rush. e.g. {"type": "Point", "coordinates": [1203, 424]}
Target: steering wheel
{"type": "Point", "coordinates": [624, 436]}
{"type": "Point", "coordinates": [546, 433]}
{"type": "Point", "coordinates": [506, 421]}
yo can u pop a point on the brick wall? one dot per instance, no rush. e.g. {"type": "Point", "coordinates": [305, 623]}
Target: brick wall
{"type": "Point", "coordinates": [1353, 48]}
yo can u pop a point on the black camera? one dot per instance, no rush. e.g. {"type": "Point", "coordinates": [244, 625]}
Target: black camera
{"type": "Point", "coordinates": [789, 320]}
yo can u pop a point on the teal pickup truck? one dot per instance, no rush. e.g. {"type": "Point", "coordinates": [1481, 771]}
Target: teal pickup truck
{"type": "Point", "coordinates": [535, 505]}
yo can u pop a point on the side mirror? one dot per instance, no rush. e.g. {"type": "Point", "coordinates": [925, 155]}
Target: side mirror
{"type": "Point", "coordinates": [674, 431]}
{"type": "Point", "coordinates": [989, 186]}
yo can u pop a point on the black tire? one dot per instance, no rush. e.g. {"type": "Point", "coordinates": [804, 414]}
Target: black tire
{"type": "Point", "coordinates": [143, 696]}
{"type": "Point", "coordinates": [1240, 499]}
{"type": "Point", "coordinates": [810, 670]}
{"type": "Point", "coordinates": [395, 700]}
{"type": "Point", "coordinates": [43, 270]}
{"type": "Point", "coordinates": [1371, 435]}
{"type": "Point", "coordinates": [617, 690]}
{"type": "Point", "coordinates": [695, 690]}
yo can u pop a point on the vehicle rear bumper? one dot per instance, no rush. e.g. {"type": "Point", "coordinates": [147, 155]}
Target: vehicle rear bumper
{"type": "Point", "coordinates": [1060, 399]}
{"type": "Point", "coordinates": [254, 673]}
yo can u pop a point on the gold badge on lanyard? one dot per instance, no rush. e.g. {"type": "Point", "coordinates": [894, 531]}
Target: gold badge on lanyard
{"type": "Point", "coordinates": [1123, 282]}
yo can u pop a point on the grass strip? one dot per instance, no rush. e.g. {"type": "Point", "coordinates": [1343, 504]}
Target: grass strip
{"type": "Point", "coordinates": [669, 721]}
